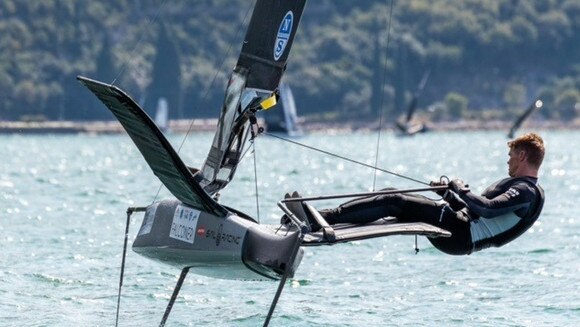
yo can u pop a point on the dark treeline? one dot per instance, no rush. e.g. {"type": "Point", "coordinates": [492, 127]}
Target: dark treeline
{"type": "Point", "coordinates": [488, 59]}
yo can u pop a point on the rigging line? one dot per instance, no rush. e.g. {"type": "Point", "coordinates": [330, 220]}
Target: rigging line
{"type": "Point", "coordinates": [256, 181]}
{"type": "Point", "coordinates": [382, 94]}
{"type": "Point", "coordinates": [345, 158]}
{"type": "Point", "coordinates": [132, 56]}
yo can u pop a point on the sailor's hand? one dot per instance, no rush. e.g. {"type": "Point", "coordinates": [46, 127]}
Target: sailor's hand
{"type": "Point", "coordinates": [458, 187]}
{"type": "Point", "coordinates": [441, 182]}
{"type": "Point", "coordinates": [437, 183]}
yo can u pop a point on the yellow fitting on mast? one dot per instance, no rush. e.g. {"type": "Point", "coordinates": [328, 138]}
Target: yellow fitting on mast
{"type": "Point", "coordinates": [269, 102]}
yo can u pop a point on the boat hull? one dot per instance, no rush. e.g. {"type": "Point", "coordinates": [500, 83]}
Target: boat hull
{"type": "Point", "coordinates": [230, 247]}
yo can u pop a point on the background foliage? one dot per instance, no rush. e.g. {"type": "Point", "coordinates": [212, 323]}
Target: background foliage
{"type": "Point", "coordinates": [483, 55]}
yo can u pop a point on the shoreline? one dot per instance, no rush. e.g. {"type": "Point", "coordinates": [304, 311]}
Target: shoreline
{"type": "Point", "coordinates": [96, 127]}
{"type": "Point", "coordinates": [209, 125]}
{"type": "Point", "coordinates": [465, 125]}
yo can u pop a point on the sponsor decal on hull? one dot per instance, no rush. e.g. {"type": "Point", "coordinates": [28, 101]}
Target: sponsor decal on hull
{"type": "Point", "coordinates": [220, 237]}
{"type": "Point", "coordinates": [184, 224]}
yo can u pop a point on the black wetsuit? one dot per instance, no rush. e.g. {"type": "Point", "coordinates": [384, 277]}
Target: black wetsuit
{"type": "Point", "coordinates": [504, 211]}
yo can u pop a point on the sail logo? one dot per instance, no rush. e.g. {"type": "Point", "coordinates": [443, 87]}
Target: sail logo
{"type": "Point", "coordinates": [512, 193]}
{"type": "Point", "coordinates": [220, 236]}
{"type": "Point", "coordinates": [283, 35]}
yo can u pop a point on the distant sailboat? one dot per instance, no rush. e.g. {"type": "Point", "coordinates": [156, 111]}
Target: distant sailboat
{"type": "Point", "coordinates": [162, 115]}
{"type": "Point", "coordinates": [521, 119]}
{"type": "Point", "coordinates": [408, 127]}
{"type": "Point", "coordinates": [284, 118]}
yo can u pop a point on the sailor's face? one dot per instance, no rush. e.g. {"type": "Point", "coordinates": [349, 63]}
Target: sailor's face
{"type": "Point", "coordinates": [513, 162]}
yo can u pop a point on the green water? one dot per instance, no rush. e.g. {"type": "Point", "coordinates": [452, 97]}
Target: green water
{"type": "Point", "coordinates": [62, 216]}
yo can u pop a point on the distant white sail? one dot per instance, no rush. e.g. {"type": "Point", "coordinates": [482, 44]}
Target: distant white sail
{"type": "Point", "coordinates": [284, 118]}
{"type": "Point", "coordinates": [162, 114]}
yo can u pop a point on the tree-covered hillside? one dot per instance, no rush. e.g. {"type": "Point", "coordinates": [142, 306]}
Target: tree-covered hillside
{"type": "Point", "coordinates": [482, 55]}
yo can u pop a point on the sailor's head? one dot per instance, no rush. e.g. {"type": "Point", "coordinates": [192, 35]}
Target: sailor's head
{"type": "Point", "coordinates": [527, 150]}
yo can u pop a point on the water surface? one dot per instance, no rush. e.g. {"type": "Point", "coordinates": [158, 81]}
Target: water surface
{"type": "Point", "coordinates": [62, 215]}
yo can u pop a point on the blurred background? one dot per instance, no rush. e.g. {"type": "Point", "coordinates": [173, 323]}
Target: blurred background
{"type": "Point", "coordinates": [486, 60]}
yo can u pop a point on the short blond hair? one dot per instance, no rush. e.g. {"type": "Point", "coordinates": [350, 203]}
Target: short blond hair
{"type": "Point", "coordinates": [533, 145]}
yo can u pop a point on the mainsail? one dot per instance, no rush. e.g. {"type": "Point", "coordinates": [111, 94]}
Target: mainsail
{"type": "Point", "coordinates": [518, 123]}
{"type": "Point", "coordinates": [408, 127]}
{"type": "Point", "coordinates": [252, 83]}
{"type": "Point", "coordinates": [252, 86]}
{"type": "Point", "coordinates": [415, 100]}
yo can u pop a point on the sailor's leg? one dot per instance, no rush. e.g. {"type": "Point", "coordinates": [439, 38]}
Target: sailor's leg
{"type": "Point", "coordinates": [444, 217]}
{"type": "Point", "coordinates": [364, 210]}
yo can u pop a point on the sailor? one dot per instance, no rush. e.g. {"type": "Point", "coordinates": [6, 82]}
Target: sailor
{"type": "Point", "coordinates": [504, 211]}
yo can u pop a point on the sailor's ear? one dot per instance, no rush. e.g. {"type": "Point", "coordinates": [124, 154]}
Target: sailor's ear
{"type": "Point", "coordinates": [522, 155]}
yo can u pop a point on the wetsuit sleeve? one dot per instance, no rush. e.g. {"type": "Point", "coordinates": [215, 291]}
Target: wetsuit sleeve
{"type": "Point", "coordinates": [518, 197]}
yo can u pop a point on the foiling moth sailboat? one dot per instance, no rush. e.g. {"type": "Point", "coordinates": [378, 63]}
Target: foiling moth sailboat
{"type": "Point", "coordinates": [194, 231]}
{"type": "Point", "coordinates": [408, 127]}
